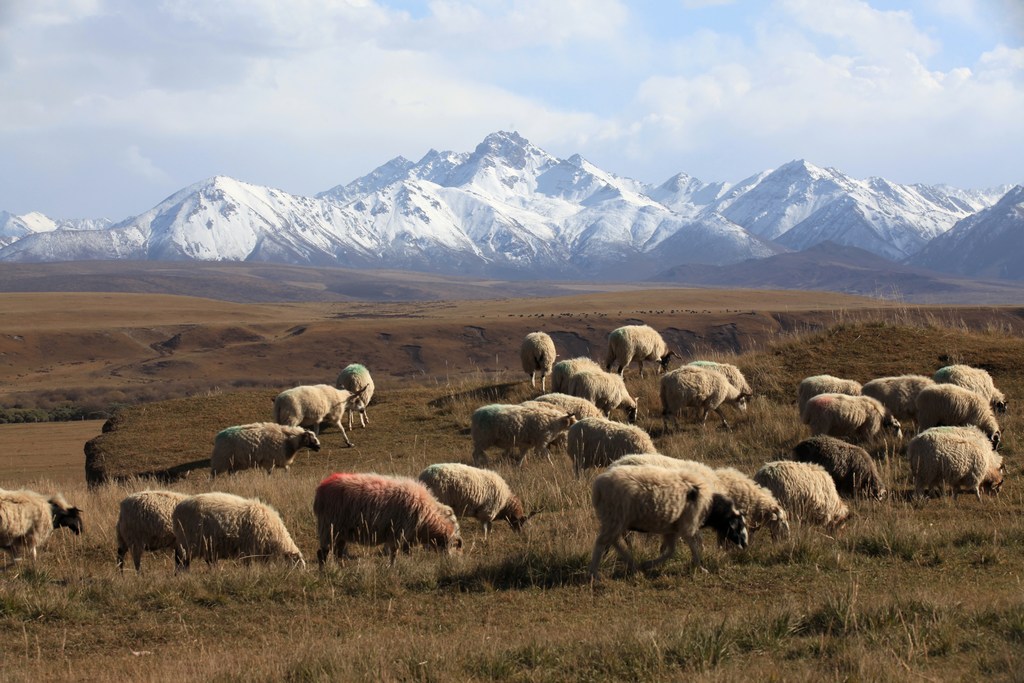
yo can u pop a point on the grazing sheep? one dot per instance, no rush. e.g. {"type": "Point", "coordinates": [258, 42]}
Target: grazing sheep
{"type": "Point", "coordinates": [564, 370]}
{"type": "Point", "coordinates": [144, 523]}
{"type": "Point", "coordinates": [858, 417]}
{"type": "Point", "coordinates": [372, 509]}
{"type": "Point", "coordinates": [975, 379]}
{"type": "Point", "coordinates": [950, 405]}
{"type": "Point", "coordinates": [533, 425]}
{"type": "Point", "coordinates": [851, 468]}
{"type": "Point", "coordinates": [580, 407]}
{"type": "Point", "coordinates": [474, 492]}
{"type": "Point", "coordinates": [673, 503]}
{"type": "Point", "coordinates": [960, 457]}
{"type": "Point", "coordinates": [538, 355]}
{"type": "Point", "coordinates": [806, 490]}
{"type": "Point", "coordinates": [898, 394]}
{"type": "Point", "coordinates": [356, 379]}
{"type": "Point", "coordinates": [824, 384]}
{"type": "Point", "coordinates": [28, 518]}
{"type": "Point", "coordinates": [606, 390]}
{"type": "Point", "coordinates": [310, 405]}
{"type": "Point", "coordinates": [637, 343]}
{"type": "Point", "coordinates": [221, 525]}
{"type": "Point", "coordinates": [260, 444]}
{"type": "Point", "coordinates": [700, 388]}
{"type": "Point", "coordinates": [597, 441]}
{"type": "Point", "coordinates": [731, 372]}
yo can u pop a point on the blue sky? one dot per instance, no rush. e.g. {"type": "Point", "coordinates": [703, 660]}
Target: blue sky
{"type": "Point", "coordinates": [108, 106]}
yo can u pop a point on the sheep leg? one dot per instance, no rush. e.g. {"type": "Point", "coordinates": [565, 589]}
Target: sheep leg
{"type": "Point", "coordinates": [719, 411]}
{"type": "Point", "coordinates": [533, 381]}
{"type": "Point", "coordinates": [522, 456]}
{"type": "Point", "coordinates": [122, 550]}
{"type": "Point", "coordinates": [695, 551]}
{"type": "Point", "coordinates": [595, 559]}
{"type": "Point", "coordinates": [668, 548]}
{"type": "Point", "coordinates": [479, 457]}
{"type": "Point", "coordinates": [344, 435]}
{"type": "Point", "coordinates": [137, 557]}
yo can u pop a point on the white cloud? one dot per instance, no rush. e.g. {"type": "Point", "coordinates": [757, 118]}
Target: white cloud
{"type": "Point", "coordinates": [137, 163]}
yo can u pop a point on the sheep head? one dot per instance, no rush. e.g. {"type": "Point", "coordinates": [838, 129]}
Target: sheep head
{"type": "Point", "coordinates": [727, 521]}
{"type": "Point", "coordinates": [65, 515]}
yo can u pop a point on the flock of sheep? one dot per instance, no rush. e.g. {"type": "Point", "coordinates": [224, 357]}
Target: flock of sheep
{"type": "Point", "coordinates": [639, 491]}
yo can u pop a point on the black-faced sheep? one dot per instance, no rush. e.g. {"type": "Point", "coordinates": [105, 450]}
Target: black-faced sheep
{"type": "Point", "coordinates": [857, 417]}
{"type": "Point", "coordinates": [672, 503]}
{"type": "Point", "coordinates": [475, 492]}
{"type": "Point", "coordinates": [606, 390]}
{"type": "Point", "coordinates": [311, 405]}
{"type": "Point", "coordinates": [975, 379]}
{"type": "Point", "coordinates": [637, 343]}
{"type": "Point", "coordinates": [356, 379]}
{"type": "Point", "coordinates": [373, 509]}
{"type": "Point", "coordinates": [219, 525]}
{"type": "Point", "coordinates": [28, 518]}
{"type": "Point", "coordinates": [806, 490]}
{"type": "Point", "coordinates": [730, 371]}
{"type": "Point", "coordinates": [597, 441]}
{"type": "Point", "coordinates": [824, 384]}
{"type": "Point", "coordinates": [851, 467]}
{"type": "Point", "coordinates": [260, 444]}
{"type": "Point", "coordinates": [530, 426]}
{"type": "Point", "coordinates": [898, 394]}
{"type": "Point", "coordinates": [538, 355]}
{"type": "Point", "coordinates": [564, 370]}
{"type": "Point", "coordinates": [950, 405]}
{"type": "Point", "coordinates": [959, 457]}
{"type": "Point", "coordinates": [144, 523]}
{"type": "Point", "coordinates": [701, 389]}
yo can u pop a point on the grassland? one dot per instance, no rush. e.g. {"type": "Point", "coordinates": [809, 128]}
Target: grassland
{"type": "Point", "coordinates": [907, 590]}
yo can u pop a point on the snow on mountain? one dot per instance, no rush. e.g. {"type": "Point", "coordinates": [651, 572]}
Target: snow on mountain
{"type": "Point", "coordinates": [687, 195]}
{"type": "Point", "coordinates": [986, 244]}
{"type": "Point", "coordinates": [14, 228]}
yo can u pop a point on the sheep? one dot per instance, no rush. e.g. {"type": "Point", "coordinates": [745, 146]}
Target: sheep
{"type": "Point", "coordinates": [824, 384]}
{"type": "Point", "coordinates": [474, 492]}
{"type": "Point", "coordinates": [538, 355]}
{"type": "Point", "coordinates": [144, 523]}
{"type": "Point", "coordinates": [961, 457]}
{"type": "Point", "coordinates": [532, 425]}
{"type": "Point", "coordinates": [757, 503]}
{"type": "Point", "coordinates": [950, 405]}
{"type": "Point", "coordinates": [221, 525]}
{"type": "Point", "coordinates": [372, 509]}
{"type": "Point", "coordinates": [806, 490]}
{"type": "Point", "coordinates": [858, 417]}
{"type": "Point", "coordinates": [637, 343]}
{"type": "Point", "coordinates": [657, 500]}
{"type": "Point", "coordinates": [700, 388]}
{"type": "Point", "coordinates": [28, 518]}
{"type": "Point", "coordinates": [259, 444]}
{"type": "Point", "coordinates": [564, 370]}
{"type": "Point", "coordinates": [851, 468]}
{"type": "Point", "coordinates": [580, 407]}
{"type": "Point", "coordinates": [310, 405]}
{"type": "Point", "coordinates": [975, 379]}
{"type": "Point", "coordinates": [731, 372]}
{"type": "Point", "coordinates": [356, 379]}
{"type": "Point", "coordinates": [898, 394]}
{"type": "Point", "coordinates": [597, 441]}
{"type": "Point", "coordinates": [606, 390]}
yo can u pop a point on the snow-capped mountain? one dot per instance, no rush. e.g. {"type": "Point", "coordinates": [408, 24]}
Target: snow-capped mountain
{"type": "Point", "coordinates": [986, 244]}
{"type": "Point", "coordinates": [14, 228]}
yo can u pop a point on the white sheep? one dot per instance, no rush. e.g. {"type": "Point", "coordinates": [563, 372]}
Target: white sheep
{"type": "Point", "coordinates": [731, 372]}
{"type": "Point", "coordinates": [563, 371]}
{"type": "Point", "coordinates": [960, 457]}
{"type": "Point", "coordinates": [475, 492]}
{"type": "Point", "coordinates": [824, 384]}
{"type": "Point", "coordinates": [701, 389]}
{"type": "Point", "coordinates": [221, 525]}
{"type": "Point", "coordinates": [580, 407]}
{"type": "Point", "coordinates": [858, 417]}
{"type": "Point", "coordinates": [975, 379]}
{"type": "Point", "coordinates": [672, 503]}
{"type": "Point", "coordinates": [950, 405]}
{"type": "Point", "coordinates": [538, 355]}
{"type": "Point", "coordinates": [356, 379]}
{"type": "Point", "coordinates": [373, 509]}
{"type": "Point", "coordinates": [898, 394]}
{"type": "Point", "coordinates": [532, 426]}
{"type": "Point", "coordinates": [606, 390]}
{"type": "Point", "coordinates": [597, 441]}
{"type": "Point", "coordinates": [309, 405]}
{"type": "Point", "coordinates": [637, 343]}
{"type": "Point", "coordinates": [806, 490]}
{"type": "Point", "coordinates": [144, 523]}
{"type": "Point", "coordinates": [28, 518]}
{"type": "Point", "coordinates": [259, 444]}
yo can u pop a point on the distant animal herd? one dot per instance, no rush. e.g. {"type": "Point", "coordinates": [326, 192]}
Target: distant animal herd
{"type": "Point", "coordinates": [640, 490]}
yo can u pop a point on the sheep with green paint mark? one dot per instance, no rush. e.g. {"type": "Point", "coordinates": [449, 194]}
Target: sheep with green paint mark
{"type": "Point", "coordinates": [511, 426]}
{"type": "Point", "coordinates": [356, 379]}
